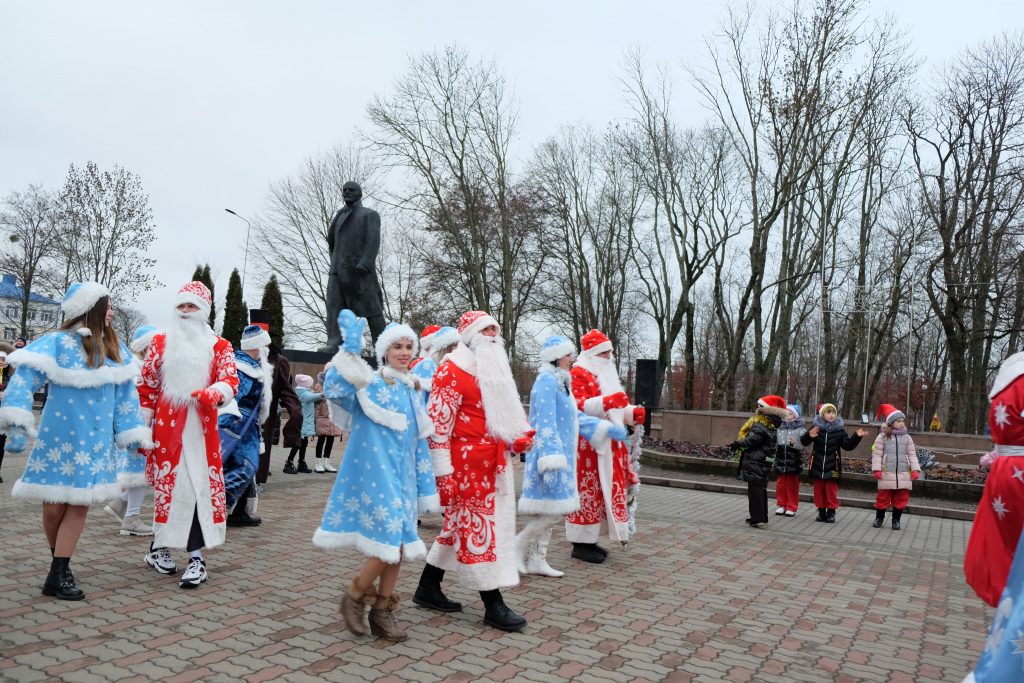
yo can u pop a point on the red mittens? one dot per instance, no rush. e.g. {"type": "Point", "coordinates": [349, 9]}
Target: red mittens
{"type": "Point", "coordinates": [613, 401]}
{"type": "Point", "coordinates": [914, 475]}
{"type": "Point", "coordinates": [208, 397]}
{"type": "Point", "coordinates": [639, 415]}
{"type": "Point", "coordinates": [878, 474]}
{"type": "Point", "coordinates": [525, 442]}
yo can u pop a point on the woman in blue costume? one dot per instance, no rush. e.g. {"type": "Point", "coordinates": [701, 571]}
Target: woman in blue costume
{"type": "Point", "coordinates": [92, 410]}
{"type": "Point", "coordinates": [386, 476]}
{"type": "Point", "coordinates": [442, 342]}
{"type": "Point", "coordinates": [549, 479]}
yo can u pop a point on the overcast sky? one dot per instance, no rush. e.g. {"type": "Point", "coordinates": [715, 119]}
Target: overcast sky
{"type": "Point", "coordinates": [210, 101]}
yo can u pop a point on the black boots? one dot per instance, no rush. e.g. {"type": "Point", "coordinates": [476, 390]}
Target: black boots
{"type": "Point", "coordinates": [498, 614]}
{"type": "Point", "coordinates": [830, 516]}
{"type": "Point", "coordinates": [303, 468]}
{"type": "Point", "coordinates": [822, 515]}
{"type": "Point", "coordinates": [879, 518]}
{"type": "Point", "coordinates": [428, 592]}
{"type": "Point", "coordinates": [239, 516]}
{"type": "Point", "coordinates": [289, 468]}
{"type": "Point", "coordinates": [60, 582]}
{"type": "Point", "coordinates": [589, 552]}
{"type": "Point", "coordinates": [896, 514]}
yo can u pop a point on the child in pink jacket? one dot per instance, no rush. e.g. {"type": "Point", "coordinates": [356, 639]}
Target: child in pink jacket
{"type": "Point", "coordinates": [894, 464]}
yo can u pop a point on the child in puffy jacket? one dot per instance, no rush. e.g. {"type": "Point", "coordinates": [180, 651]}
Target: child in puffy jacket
{"type": "Point", "coordinates": [789, 463]}
{"type": "Point", "coordinates": [828, 434]}
{"type": "Point", "coordinates": [308, 399]}
{"type": "Point", "coordinates": [326, 432]}
{"type": "Point", "coordinates": [756, 444]}
{"type": "Point", "coordinates": [894, 464]}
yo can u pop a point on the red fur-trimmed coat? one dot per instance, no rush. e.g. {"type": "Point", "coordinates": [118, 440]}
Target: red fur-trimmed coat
{"type": "Point", "coordinates": [602, 475]}
{"type": "Point", "coordinates": [175, 500]}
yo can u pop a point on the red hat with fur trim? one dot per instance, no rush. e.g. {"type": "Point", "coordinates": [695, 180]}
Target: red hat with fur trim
{"type": "Point", "coordinates": [472, 323]}
{"type": "Point", "coordinates": [889, 413]}
{"type": "Point", "coordinates": [425, 336]}
{"type": "Point", "coordinates": [772, 401]}
{"type": "Point", "coordinates": [595, 342]}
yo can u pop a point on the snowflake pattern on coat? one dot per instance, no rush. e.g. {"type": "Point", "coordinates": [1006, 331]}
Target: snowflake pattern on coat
{"type": "Point", "coordinates": [89, 413]}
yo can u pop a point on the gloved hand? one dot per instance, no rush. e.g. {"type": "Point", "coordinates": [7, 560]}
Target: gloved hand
{"type": "Point", "coordinates": [550, 477]}
{"type": "Point", "coordinates": [17, 441]}
{"type": "Point", "coordinates": [523, 443]}
{"type": "Point", "coordinates": [877, 474]}
{"type": "Point", "coordinates": [208, 397]}
{"type": "Point", "coordinates": [613, 401]}
{"type": "Point", "coordinates": [915, 475]}
{"type": "Point", "coordinates": [735, 446]}
{"type": "Point", "coordinates": [352, 330]}
{"type": "Point", "coordinates": [639, 415]}
{"type": "Point", "coordinates": [618, 433]}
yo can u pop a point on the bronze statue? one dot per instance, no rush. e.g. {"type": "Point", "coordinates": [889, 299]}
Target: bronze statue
{"type": "Point", "coordinates": [353, 239]}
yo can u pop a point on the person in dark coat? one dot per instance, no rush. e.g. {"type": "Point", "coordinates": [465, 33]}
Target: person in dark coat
{"type": "Point", "coordinates": [5, 376]}
{"type": "Point", "coordinates": [756, 444]}
{"type": "Point", "coordinates": [353, 239]}
{"type": "Point", "coordinates": [282, 396]}
{"type": "Point", "coordinates": [828, 434]}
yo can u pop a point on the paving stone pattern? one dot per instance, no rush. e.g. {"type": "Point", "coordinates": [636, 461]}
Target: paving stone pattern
{"type": "Point", "coordinates": [697, 597]}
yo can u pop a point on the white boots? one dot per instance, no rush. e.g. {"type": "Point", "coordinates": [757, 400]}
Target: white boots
{"type": "Point", "coordinates": [532, 551]}
{"type": "Point", "coordinates": [323, 465]}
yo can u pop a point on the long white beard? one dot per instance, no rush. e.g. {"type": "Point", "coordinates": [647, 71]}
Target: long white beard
{"type": "Point", "coordinates": [505, 416]}
{"type": "Point", "coordinates": [605, 369]}
{"type": "Point", "coordinates": [188, 356]}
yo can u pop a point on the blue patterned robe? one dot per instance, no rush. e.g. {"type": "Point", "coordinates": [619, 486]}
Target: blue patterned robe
{"type": "Point", "coordinates": [425, 370]}
{"type": "Point", "coordinates": [89, 414]}
{"type": "Point", "coordinates": [386, 476]}
{"type": "Point", "coordinates": [254, 380]}
{"type": "Point", "coordinates": [549, 479]}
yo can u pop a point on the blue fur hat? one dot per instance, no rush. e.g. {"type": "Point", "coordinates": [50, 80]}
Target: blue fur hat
{"type": "Point", "coordinates": [556, 346]}
{"type": "Point", "coordinates": [142, 338]}
{"type": "Point", "coordinates": [81, 297]}
{"type": "Point", "coordinates": [254, 337]}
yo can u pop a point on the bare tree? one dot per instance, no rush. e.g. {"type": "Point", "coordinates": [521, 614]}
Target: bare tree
{"type": "Point", "coordinates": [29, 221]}
{"type": "Point", "coordinates": [292, 233]}
{"type": "Point", "coordinates": [126, 321]}
{"type": "Point", "coordinates": [106, 230]}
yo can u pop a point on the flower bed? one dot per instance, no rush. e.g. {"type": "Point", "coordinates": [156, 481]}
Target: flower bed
{"type": "Point", "coordinates": [939, 472]}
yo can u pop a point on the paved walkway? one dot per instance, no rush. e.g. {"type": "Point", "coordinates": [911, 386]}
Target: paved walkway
{"type": "Point", "coordinates": [697, 597]}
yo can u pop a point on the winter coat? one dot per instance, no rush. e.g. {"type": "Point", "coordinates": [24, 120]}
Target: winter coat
{"type": "Point", "coordinates": [896, 457]}
{"type": "Point", "coordinates": [826, 461]}
{"type": "Point", "coordinates": [789, 453]}
{"type": "Point", "coordinates": [308, 399]}
{"type": "Point", "coordinates": [324, 424]}
{"type": "Point", "coordinates": [283, 396]}
{"type": "Point", "coordinates": [758, 449]}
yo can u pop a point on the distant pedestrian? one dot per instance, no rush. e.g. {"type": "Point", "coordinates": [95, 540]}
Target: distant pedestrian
{"type": "Point", "coordinates": [326, 430]}
{"type": "Point", "coordinates": [756, 445]}
{"type": "Point", "coordinates": [307, 401]}
{"type": "Point", "coordinates": [828, 434]}
{"type": "Point", "coordinates": [789, 456]}
{"type": "Point", "coordinates": [894, 464]}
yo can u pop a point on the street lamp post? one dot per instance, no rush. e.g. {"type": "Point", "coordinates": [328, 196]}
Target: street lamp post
{"type": "Point", "coordinates": [245, 259]}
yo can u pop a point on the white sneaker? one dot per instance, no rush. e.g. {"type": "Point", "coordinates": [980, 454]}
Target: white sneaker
{"type": "Point", "coordinates": [791, 513]}
{"type": "Point", "coordinates": [116, 509]}
{"type": "Point", "coordinates": [133, 526]}
{"type": "Point", "coordinates": [328, 467]}
{"type": "Point", "coordinates": [194, 574]}
{"type": "Point", "coordinates": [319, 466]}
{"type": "Point", "coordinates": [160, 560]}
{"type": "Point", "coordinates": [780, 511]}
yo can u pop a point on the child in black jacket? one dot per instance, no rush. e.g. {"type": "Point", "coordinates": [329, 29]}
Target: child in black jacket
{"type": "Point", "coordinates": [756, 444]}
{"type": "Point", "coordinates": [828, 434]}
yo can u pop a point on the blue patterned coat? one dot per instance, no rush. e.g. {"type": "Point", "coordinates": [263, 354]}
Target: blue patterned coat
{"type": "Point", "coordinates": [89, 414]}
{"type": "Point", "coordinates": [386, 476]}
{"type": "Point", "coordinates": [549, 479]}
{"type": "Point", "coordinates": [308, 398]}
{"type": "Point", "coordinates": [425, 370]}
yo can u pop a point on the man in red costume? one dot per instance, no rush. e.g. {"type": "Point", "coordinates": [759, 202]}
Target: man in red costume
{"type": "Point", "coordinates": [1000, 515]}
{"type": "Point", "coordinates": [604, 474]}
{"type": "Point", "coordinates": [478, 420]}
{"type": "Point", "coordinates": [188, 372]}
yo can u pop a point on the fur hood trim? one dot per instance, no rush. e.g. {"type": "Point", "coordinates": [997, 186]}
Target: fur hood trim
{"type": "Point", "coordinates": [80, 378]}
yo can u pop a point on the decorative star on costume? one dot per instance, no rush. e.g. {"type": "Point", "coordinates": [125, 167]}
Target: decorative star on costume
{"type": "Point", "coordinates": [1018, 474]}
{"type": "Point", "coordinates": [999, 508]}
{"type": "Point", "coordinates": [1002, 415]}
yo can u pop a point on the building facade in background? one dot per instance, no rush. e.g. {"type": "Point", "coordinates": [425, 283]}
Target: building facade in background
{"type": "Point", "coordinates": [43, 312]}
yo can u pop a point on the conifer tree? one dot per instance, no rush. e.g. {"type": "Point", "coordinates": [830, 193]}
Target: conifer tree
{"type": "Point", "coordinates": [274, 307]}
{"type": "Point", "coordinates": [235, 311]}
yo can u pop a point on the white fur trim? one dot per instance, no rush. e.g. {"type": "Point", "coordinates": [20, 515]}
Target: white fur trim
{"type": "Point", "coordinates": [256, 341]}
{"type": "Point", "coordinates": [599, 348]}
{"type": "Point", "coordinates": [472, 330]}
{"type": "Point", "coordinates": [83, 332]}
{"type": "Point", "coordinates": [538, 506]}
{"type": "Point", "coordinates": [142, 343]}
{"type": "Point", "coordinates": [440, 341]}
{"type": "Point", "coordinates": [463, 357]}
{"type": "Point", "coordinates": [18, 417]}
{"type": "Point", "coordinates": [43, 493]}
{"type": "Point", "coordinates": [139, 437]}
{"type": "Point", "coordinates": [562, 350]}
{"type": "Point", "coordinates": [442, 460]}
{"type": "Point", "coordinates": [382, 416]}
{"type": "Point", "coordinates": [131, 480]}
{"type": "Point", "coordinates": [582, 533]}
{"type": "Point", "coordinates": [428, 505]}
{"type": "Point", "coordinates": [390, 336]}
{"type": "Point", "coordinates": [1011, 369]}
{"type": "Point", "coordinates": [246, 369]}
{"type": "Point", "coordinates": [369, 547]}
{"type": "Point", "coordinates": [353, 369]}
{"type": "Point", "coordinates": [599, 439]}
{"type": "Point", "coordinates": [548, 463]}
{"type": "Point", "coordinates": [80, 379]}
{"type": "Point", "coordinates": [225, 390]}
{"type": "Point", "coordinates": [190, 298]}
{"type": "Point", "coordinates": [426, 383]}
{"type": "Point", "coordinates": [594, 406]}
{"type": "Point", "coordinates": [83, 300]}
{"type": "Point", "coordinates": [229, 408]}
{"type": "Point", "coordinates": [627, 415]}
{"type": "Point", "coordinates": [147, 415]}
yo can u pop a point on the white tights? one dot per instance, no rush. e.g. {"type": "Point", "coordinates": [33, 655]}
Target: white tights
{"type": "Point", "coordinates": [133, 497]}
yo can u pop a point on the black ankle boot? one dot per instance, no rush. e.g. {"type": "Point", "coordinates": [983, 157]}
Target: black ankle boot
{"type": "Point", "coordinates": [879, 518]}
{"type": "Point", "coordinates": [896, 514]}
{"type": "Point", "coordinates": [60, 582]}
{"type": "Point", "coordinates": [289, 468]}
{"type": "Point", "coordinates": [498, 614]}
{"type": "Point", "coordinates": [822, 515]}
{"type": "Point", "coordinates": [830, 516]}
{"type": "Point", "coordinates": [429, 594]}
{"type": "Point", "coordinates": [303, 468]}
{"type": "Point", "coordinates": [588, 552]}
{"type": "Point", "coordinates": [601, 550]}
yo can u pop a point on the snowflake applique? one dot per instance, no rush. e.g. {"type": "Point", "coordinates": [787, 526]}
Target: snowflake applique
{"type": "Point", "coordinates": [68, 342]}
{"type": "Point", "coordinates": [68, 469]}
{"type": "Point", "coordinates": [352, 505]}
{"type": "Point", "coordinates": [365, 520]}
{"type": "Point", "coordinates": [380, 512]}
{"type": "Point", "coordinates": [366, 500]}
{"type": "Point", "coordinates": [397, 503]}
{"type": "Point", "coordinates": [37, 465]}
{"type": "Point", "coordinates": [335, 519]}
{"type": "Point", "coordinates": [98, 447]}
{"type": "Point", "coordinates": [395, 525]}
{"type": "Point", "coordinates": [423, 467]}
{"type": "Point", "coordinates": [53, 454]}
{"type": "Point", "coordinates": [82, 458]}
